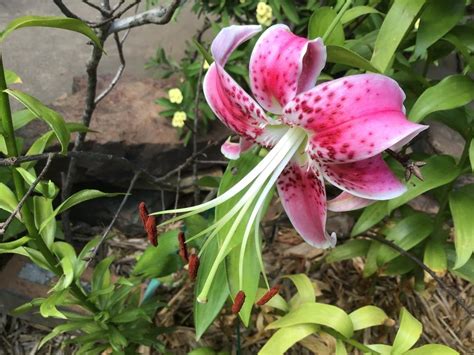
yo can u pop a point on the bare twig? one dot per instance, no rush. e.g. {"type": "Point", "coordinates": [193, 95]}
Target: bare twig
{"type": "Point", "coordinates": [157, 16]}
{"type": "Point", "coordinates": [94, 251]}
{"type": "Point", "coordinates": [65, 10]}
{"type": "Point", "coordinates": [4, 225]}
{"type": "Point", "coordinates": [418, 262]}
{"type": "Point", "coordinates": [117, 15]}
{"type": "Point", "coordinates": [103, 11]}
{"type": "Point", "coordinates": [118, 74]}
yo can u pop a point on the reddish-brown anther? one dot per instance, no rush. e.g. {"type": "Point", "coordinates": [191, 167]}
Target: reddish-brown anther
{"type": "Point", "coordinates": [183, 249]}
{"type": "Point", "coordinates": [143, 213]}
{"type": "Point", "coordinates": [150, 227]}
{"type": "Point", "coordinates": [268, 295]}
{"type": "Point", "coordinates": [238, 302]}
{"type": "Point", "coordinates": [193, 266]}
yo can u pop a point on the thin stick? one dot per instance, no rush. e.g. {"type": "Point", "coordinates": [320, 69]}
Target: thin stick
{"type": "Point", "coordinates": [417, 261]}
{"type": "Point", "coordinates": [4, 225]}
{"type": "Point", "coordinates": [195, 133]}
{"type": "Point", "coordinates": [114, 219]}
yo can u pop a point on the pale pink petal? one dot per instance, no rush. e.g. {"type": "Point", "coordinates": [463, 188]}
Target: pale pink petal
{"type": "Point", "coordinates": [370, 178]}
{"type": "Point", "coordinates": [352, 118]}
{"type": "Point", "coordinates": [229, 38]}
{"type": "Point", "coordinates": [283, 65]}
{"type": "Point", "coordinates": [303, 197]}
{"type": "Point", "coordinates": [232, 150]}
{"type": "Point", "coordinates": [348, 202]}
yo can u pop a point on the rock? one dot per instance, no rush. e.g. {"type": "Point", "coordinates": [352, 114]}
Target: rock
{"type": "Point", "coordinates": [445, 140]}
{"type": "Point", "coordinates": [341, 223]}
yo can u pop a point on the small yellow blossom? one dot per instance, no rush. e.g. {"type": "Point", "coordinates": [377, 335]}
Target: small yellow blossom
{"type": "Point", "coordinates": [178, 119]}
{"type": "Point", "coordinates": [264, 14]}
{"type": "Point", "coordinates": [242, 1]}
{"type": "Point", "coordinates": [175, 95]}
{"type": "Point", "coordinates": [205, 66]}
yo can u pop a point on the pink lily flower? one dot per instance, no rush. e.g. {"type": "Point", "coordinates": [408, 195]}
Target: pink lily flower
{"type": "Point", "coordinates": [335, 131]}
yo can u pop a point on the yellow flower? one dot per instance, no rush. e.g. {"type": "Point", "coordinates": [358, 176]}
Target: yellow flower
{"type": "Point", "coordinates": [175, 95]}
{"type": "Point", "coordinates": [205, 66]}
{"type": "Point", "coordinates": [262, 8]}
{"type": "Point", "coordinates": [178, 119]}
{"type": "Point", "coordinates": [264, 14]}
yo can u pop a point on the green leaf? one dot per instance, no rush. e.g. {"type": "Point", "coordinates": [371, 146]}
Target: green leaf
{"type": "Point", "coordinates": [207, 56]}
{"type": "Point", "coordinates": [205, 313]}
{"type": "Point", "coordinates": [370, 216]}
{"type": "Point", "coordinates": [357, 11]}
{"type": "Point", "coordinates": [285, 338]}
{"type": "Point", "coordinates": [437, 19]}
{"type": "Point", "coordinates": [340, 348]}
{"type": "Point", "coordinates": [343, 55]}
{"type": "Point", "coordinates": [21, 118]}
{"type": "Point", "coordinates": [51, 21]}
{"type": "Point", "coordinates": [162, 260]}
{"type": "Point", "coordinates": [8, 201]}
{"type": "Point", "coordinates": [276, 301]}
{"type": "Point", "coordinates": [368, 316]}
{"type": "Point", "coordinates": [320, 21]}
{"type": "Point", "coordinates": [130, 315]}
{"type": "Point", "coordinates": [435, 256]}
{"type": "Point", "coordinates": [43, 208]}
{"type": "Point", "coordinates": [7, 246]}
{"type": "Point", "coordinates": [408, 333]}
{"type": "Point", "coordinates": [305, 289]}
{"type": "Point", "coordinates": [461, 202]}
{"type": "Point", "coordinates": [466, 272]}
{"type": "Point", "coordinates": [438, 171]}
{"type": "Point", "coordinates": [290, 10]}
{"type": "Point", "coordinates": [63, 328]}
{"type": "Point", "coordinates": [101, 275]}
{"type": "Point", "coordinates": [12, 78]}
{"type": "Point", "coordinates": [68, 259]}
{"type": "Point", "coordinates": [432, 349]}
{"type": "Point", "coordinates": [47, 189]}
{"type": "Point", "coordinates": [52, 118]}
{"type": "Point", "coordinates": [451, 92]}
{"type": "Point", "coordinates": [471, 155]}
{"type": "Point", "coordinates": [48, 307]}
{"type": "Point", "coordinates": [317, 313]}
{"type": "Point", "coordinates": [251, 276]}
{"type": "Point", "coordinates": [397, 23]}
{"type": "Point", "coordinates": [409, 232]}
{"type": "Point", "coordinates": [349, 250]}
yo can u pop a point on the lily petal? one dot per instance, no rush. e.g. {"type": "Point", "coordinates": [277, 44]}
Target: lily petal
{"type": "Point", "coordinates": [229, 38]}
{"type": "Point", "coordinates": [348, 202]}
{"type": "Point", "coordinates": [303, 197]}
{"type": "Point", "coordinates": [283, 65]}
{"type": "Point", "coordinates": [232, 150]}
{"type": "Point", "coordinates": [370, 178]}
{"type": "Point", "coordinates": [352, 118]}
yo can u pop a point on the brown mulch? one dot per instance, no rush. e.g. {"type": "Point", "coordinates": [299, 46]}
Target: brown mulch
{"type": "Point", "coordinates": [341, 284]}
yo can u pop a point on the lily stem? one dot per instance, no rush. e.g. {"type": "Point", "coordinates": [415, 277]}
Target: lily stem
{"type": "Point", "coordinates": [20, 189]}
{"type": "Point", "coordinates": [336, 20]}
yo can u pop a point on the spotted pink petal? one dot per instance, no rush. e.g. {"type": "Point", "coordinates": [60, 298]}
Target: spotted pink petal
{"type": "Point", "coordinates": [303, 197]}
{"type": "Point", "coordinates": [283, 65]}
{"type": "Point", "coordinates": [232, 150]}
{"type": "Point", "coordinates": [370, 178]}
{"type": "Point", "coordinates": [229, 38]}
{"type": "Point", "coordinates": [347, 202]}
{"type": "Point", "coordinates": [352, 118]}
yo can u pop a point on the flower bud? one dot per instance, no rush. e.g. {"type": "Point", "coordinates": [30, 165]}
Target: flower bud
{"type": "Point", "coordinates": [238, 302]}
{"type": "Point", "coordinates": [268, 295]}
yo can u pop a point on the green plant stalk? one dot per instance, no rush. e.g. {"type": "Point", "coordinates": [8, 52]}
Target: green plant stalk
{"type": "Point", "coordinates": [12, 150]}
{"type": "Point", "coordinates": [336, 20]}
